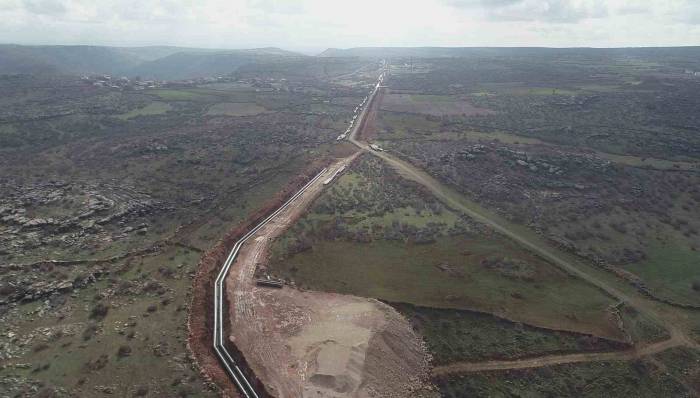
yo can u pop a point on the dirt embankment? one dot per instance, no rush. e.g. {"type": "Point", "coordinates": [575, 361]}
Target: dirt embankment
{"type": "Point", "coordinates": [315, 344]}
{"type": "Point", "coordinates": [201, 317]}
{"type": "Point", "coordinates": [366, 129]}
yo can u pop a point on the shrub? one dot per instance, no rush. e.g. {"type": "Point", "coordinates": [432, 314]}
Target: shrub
{"type": "Point", "coordinates": [90, 331]}
{"type": "Point", "coordinates": [124, 351]}
{"type": "Point", "coordinates": [696, 286]}
{"type": "Point", "coordinates": [40, 347]}
{"type": "Point", "coordinates": [99, 311]}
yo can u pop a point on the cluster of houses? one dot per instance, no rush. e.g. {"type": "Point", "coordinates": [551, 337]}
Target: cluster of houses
{"type": "Point", "coordinates": [121, 83]}
{"type": "Point", "coordinates": [124, 83]}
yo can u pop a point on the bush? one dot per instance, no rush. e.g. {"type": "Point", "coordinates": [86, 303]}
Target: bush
{"type": "Point", "coordinates": [99, 311]}
{"type": "Point", "coordinates": [40, 347]}
{"type": "Point", "coordinates": [124, 351]}
{"type": "Point", "coordinates": [90, 331]}
{"type": "Point", "coordinates": [696, 286]}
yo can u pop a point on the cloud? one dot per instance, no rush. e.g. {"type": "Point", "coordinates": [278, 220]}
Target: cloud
{"type": "Point", "coordinates": [631, 9]}
{"type": "Point", "coordinates": [45, 7]}
{"type": "Point", "coordinates": [334, 23]}
{"type": "Point", "coordinates": [554, 11]}
{"type": "Point", "coordinates": [687, 12]}
{"type": "Point", "coordinates": [278, 7]}
{"type": "Point", "coordinates": [480, 3]}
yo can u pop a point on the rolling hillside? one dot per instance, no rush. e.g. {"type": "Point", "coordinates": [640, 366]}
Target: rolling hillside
{"type": "Point", "coordinates": [158, 62]}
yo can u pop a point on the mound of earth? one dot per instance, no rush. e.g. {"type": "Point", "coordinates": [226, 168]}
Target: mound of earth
{"type": "Point", "coordinates": [333, 346]}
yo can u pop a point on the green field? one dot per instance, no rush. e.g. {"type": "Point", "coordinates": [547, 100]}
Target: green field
{"type": "Point", "coordinates": [377, 235]}
{"type": "Point", "coordinates": [154, 108]}
{"type": "Point", "coordinates": [182, 95]}
{"type": "Point", "coordinates": [671, 271]}
{"type": "Point", "coordinates": [123, 349]}
{"type": "Point", "coordinates": [455, 335]}
{"type": "Point", "coordinates": [235, 109]}
{"type": "Point", "coordinates": [596, 379]}
{"type": "Point", "coordinates": [399, 272]}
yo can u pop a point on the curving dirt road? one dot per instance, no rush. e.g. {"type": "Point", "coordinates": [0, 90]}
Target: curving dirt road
{"type": "Point", "coordinates": [550, 360]}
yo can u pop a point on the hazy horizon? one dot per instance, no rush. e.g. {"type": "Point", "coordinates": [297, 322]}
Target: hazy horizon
{"type": "Point", "coordinates": [321, 49]}
{"type": "Point", "coordinates": [310, 26]}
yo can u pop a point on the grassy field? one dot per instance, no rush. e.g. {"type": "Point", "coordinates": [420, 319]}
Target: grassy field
{"type": "Point", "coordinates": [154, 108]}
{"type": "Point", "coordinates": [136, 344]}
{"type": "Point", "coordinates": [171, 184]}
{"type": "Point", "coordinates": [671, 271]}
{"type": "Point", "coordinates": [405, 125]}
{"type": "Point", "coordinates": [596, 379]}
{"type": "Point", "coordinates": [640, 328]}
{"type": "Point", "coordinates": [400, 272]}
{"type": "Point", "coordinates": [181, 95]}
{"type": "Point", "coordinates": [365, 237]}
{"type": "Point", "coordinates": [683, 364]}
{"type": "Point", "coordinates": [235, 109]}
{"type": "Point", "coordinates": [455, 335]}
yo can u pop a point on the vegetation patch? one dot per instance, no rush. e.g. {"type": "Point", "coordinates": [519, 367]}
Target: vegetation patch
{"type": "Point", "coordinates": [437, 105]}
{"type": "Point", "coordinates": [182, 95]}
{"type": "Point", "coordinates": [672, 271]}
{"type": "Point", "coordinates": [235, 109]}
{"type": "Point", "coordinates": [377, 235]}
{"type": "Point", "coordinates": [639, 327]}
{"type": "Point", "coordinates": [154, 108]}
{"type": "Point", "coordinates": [458, 335]}
{"type": "Point", "coordinates": [596, 379]}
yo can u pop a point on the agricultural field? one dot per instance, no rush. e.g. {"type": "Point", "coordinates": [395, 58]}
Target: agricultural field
{"type": "Point", "coordinates": [458, 335]}
{"type": "Point", "coordinates": [109, 199]}
{"type": "Point", "coordinates": [605, 168]}
{"type": "Point", "coordinates": [577, 273]}
{"type": "Point", "coordinates": [235, 109]}
{"type": "Point", "coordinates": [595, 166]}
{"type": "Point", "coordinates": [374, 234]}
{"type": "Point", "coordinates": [433, 105]}
{"type": "Point", "coordinates": [643, 378]}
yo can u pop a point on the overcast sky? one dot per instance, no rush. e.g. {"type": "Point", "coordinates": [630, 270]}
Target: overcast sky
{"type": "Point", "coordinates": [318, 24]}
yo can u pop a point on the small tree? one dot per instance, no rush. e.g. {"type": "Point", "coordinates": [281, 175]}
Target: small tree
{"type": "Point", "coordinates": [124, 351]}
{"type": "Point", "coordinates": [99, 311]}
{"type": "Point", "coordinates": [696, 286]}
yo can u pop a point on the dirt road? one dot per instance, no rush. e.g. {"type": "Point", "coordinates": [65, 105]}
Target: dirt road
{"type": "Point", "coordinates": [549, 360]}
{"type": "Point", "coordinates": [536, 244]}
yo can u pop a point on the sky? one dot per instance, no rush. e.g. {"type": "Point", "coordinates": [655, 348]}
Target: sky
{"type": "Point", "coordinates": [313, 25]}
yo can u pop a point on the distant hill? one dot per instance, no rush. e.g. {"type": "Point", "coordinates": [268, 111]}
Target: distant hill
{"type": "Point", "coordinates": [191, 64]}
{"type": "Point", "coordinates": [440, 52]}
{"type": "Point", "coordinates": [158, 62]}
{"type": "Point", "coordinates": [426, 52]}
{"type": "Point", "coordinates": [65, 59]}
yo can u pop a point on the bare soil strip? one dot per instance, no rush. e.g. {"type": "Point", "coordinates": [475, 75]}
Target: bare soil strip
{"type": "Point", "coordinates": [200, 320]}
{"type": "Point", "coordinates": [550, 360]}
{"type": "Point", "coordinates": [309, 344]}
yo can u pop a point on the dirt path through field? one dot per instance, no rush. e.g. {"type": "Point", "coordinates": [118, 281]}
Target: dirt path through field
{"type": "Point", "coordinates": [535, 243]}
{"type": "Point", "coordinates": [550, 360]}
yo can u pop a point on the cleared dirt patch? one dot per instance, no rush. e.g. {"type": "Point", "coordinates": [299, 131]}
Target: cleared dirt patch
{"type": "Point", "coordinates": [310, 344]}
{"type": "Point", "coordinates": [436, 105]}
